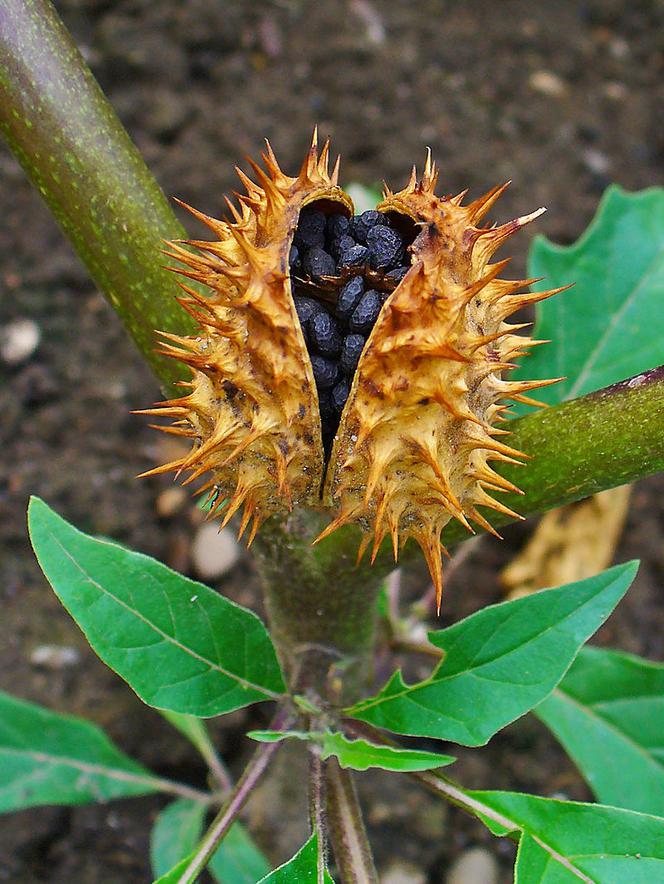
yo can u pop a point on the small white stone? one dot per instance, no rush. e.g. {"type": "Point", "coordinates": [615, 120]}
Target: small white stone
{"type": "Point", "coordinates": [596, 162]}
{"type": "Point", "coordinates": [54, 656]}
{"type": "Point", "coordinates": [474, 866]}
{"type": "Point", "coordinates": [403, 873]}
{"type": "Point", "coordinates": [214, 552]}
{"type": "Point", "coordinates": [547, 83]}
{"type": "Point", "coordinates": [18, 341]}
{"type": "Point", "coordinates": [170, 501]}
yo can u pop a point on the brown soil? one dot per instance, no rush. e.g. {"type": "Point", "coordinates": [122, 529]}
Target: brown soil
{"type": "Point", "coordinates": [560, 97]}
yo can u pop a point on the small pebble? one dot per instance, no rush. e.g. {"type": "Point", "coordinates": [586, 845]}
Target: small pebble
{"type": "Point", "coordinates": [325, 335]}
{"type": "Point", "coordinates": [325, 371]}
{"type": "Point", "coordinates": [547, 83]}
{"type": "Point", "coordinates": [318, 263]}
{"type": "Point", "coordinates": [18, 341]}
{"type": "Point", "coordinates": [170, 502]}
{"type": "Point", "coordinates": [366, 312]}
{"type": "Point", "coordinates": [54, 656]}
{"type": "Point", "coordinates": [351, 351]}
{"type": "Point", "coordinates": [214, 552]}
{"type": "Point", "coordinates": [403, 873]}
{"type": "Point", "coordinates": [473, 866]}
{"type": "Point", "coordinates": [349, 297]}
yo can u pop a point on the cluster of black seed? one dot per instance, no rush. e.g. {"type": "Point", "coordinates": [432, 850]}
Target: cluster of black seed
{"type": "Point", "coordinates": [342, 270]}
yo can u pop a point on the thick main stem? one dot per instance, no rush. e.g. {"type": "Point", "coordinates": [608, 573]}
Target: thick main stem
{"type": "Point", "coordinates": [75, 151]}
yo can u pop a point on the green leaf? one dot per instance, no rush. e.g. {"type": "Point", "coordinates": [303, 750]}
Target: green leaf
{"type": "Point", "coordinates": [301, 869]}
{"type": "Point", "coordinates": [587, 842]}
{"type": "Point", "coordinates": [238, 860]}
{"type": "Point", "coordinates": [360, 754]}
{"type": "Point", "coordinates": [175, 834]}
{"type": "Point", "coordinates": [610, 326]}
{"type": "Point", "coordinates": [613, 701]}
{"type": "Point", "coordinates": [173, 875]}
{"type": "Point", "coordinates": [47, 758]}
{"type": "Point", "coordinates": [498, 663]}
{"type": "Point", "coordinates": [178, 644]}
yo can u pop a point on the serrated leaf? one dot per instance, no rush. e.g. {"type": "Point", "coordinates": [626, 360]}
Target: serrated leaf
{"type": "Point", "coordinates": [608, 712]}
{"type": "Point", "coordinates": [498, 663]}
{"type": "Point", "coordinates": [238, 860]}
{"type": "Point", "coordinates": [359, 754]}
{"type": "Point", "coordinates": [178, 644]}
{"type": "Point", "coordinates": [175, 834]}
{"type": "Point", "coordinates": [610, 326]}
{"type": "Point", "coordinates": [301, 869]}
{"type": "Point", "coordinates": [587, 842]}
{"type": "Point", "coordinates": [47, 758]}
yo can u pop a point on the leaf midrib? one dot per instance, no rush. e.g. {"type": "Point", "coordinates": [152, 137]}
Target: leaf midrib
{"type": "Point", "coordinates": [243, 682]}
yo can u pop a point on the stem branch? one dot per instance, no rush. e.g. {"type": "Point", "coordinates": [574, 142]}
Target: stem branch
{"type": "Point", "coordinates": [236, 800]}
{"type": "Point", "coordinates": [350, 844]}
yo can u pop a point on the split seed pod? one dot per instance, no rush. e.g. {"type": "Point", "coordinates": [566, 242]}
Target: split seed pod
{"type": "Point", "coordinates": [417, 433]}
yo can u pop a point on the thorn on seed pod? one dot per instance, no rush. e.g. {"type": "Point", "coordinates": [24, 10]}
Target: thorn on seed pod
{"type": "Point", "coordinates": [370, 378]}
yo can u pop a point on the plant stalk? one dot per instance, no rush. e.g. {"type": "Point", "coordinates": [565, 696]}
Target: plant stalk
{"type": "Point", "coordinates": [74, 149]}
{"type": "Point", "coordinates": [352, 852]}
{"type": "Point", "coordinates": [219, 827]}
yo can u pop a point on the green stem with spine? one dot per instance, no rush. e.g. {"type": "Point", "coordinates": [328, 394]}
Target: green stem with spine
{"type": "Point", "coordinates": [321, 607]}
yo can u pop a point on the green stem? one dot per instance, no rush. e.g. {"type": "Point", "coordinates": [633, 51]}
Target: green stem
{"type": "Point", "coordinates": [75, 151]}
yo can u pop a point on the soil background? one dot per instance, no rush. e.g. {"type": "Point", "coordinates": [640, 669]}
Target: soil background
{"type": "Point", "coordinates": [562, 98]}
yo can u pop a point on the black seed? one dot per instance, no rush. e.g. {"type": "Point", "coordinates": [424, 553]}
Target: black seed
{"type": "Point", "coordinates": [342, 244]}
{"type": "Point", "coordinates": [398, 273]}
{"type": "Point", "coordinates": [317, 263]}
{"type": "Point", "coordinates": [310, 229]}
{"type": "Point", "coordinates": [363, 223]}
{"type": "Point", "coordinates": [337, 225]}
{"type": "Point", "coordinates": [325, 335]}
{"type": "Point", "coordinates": [358, 256]}
{"type": "Point", "coordinates": [294, 257]}
{"type": "Point", "coordinates": [349, 297]}
{"type": "Point", "coordinates": [385, 247]}
{"type": "Point", "coordinates": [325, 372]}
{"type": "Point", "coordinates": [340, 395]}
{"type": "Point", "coordinates": [325, 406]}
{"type": "Point", "coordinates": [366, 312]}
{"type": "Point", "coordinates": [306, 308]}
{"type": "Point", "coordinates": [351, 351]}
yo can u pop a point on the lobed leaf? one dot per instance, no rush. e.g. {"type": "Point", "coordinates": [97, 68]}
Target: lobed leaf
{"type": "Point", "coordinates": [359, 754]}
{"type": "Point", "coordinates": [48, 758]}
{"type": "Point", "coordinates": [608, 713]}
{"type": "Point", "coordinates": [610, 326]}
{"type": "Point", "coordinates": [179, 645]}
{"type": "Point", "coordinates": [570, 841]}
{"type": "Point", "coordinates": [498, 663]}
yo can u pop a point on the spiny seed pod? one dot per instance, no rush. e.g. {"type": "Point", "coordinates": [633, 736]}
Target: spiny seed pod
{"type": "Point", "coordinates": [410, 448]}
